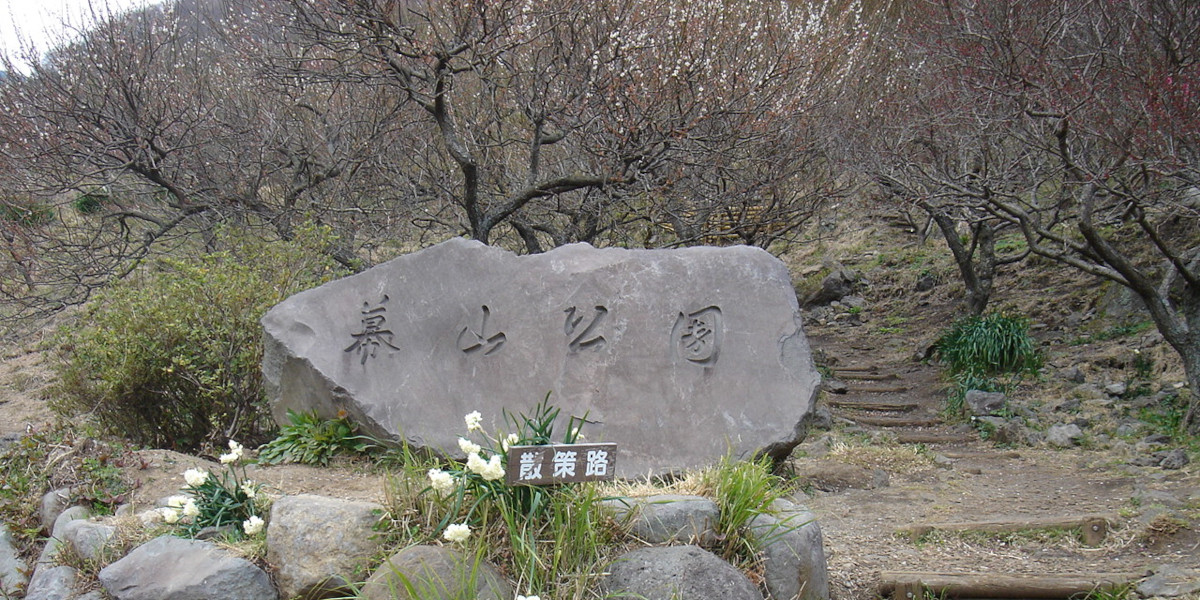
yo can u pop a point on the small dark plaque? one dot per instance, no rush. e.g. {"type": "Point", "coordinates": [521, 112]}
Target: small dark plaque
{"type": "Point", "coordinates": [561, 463]}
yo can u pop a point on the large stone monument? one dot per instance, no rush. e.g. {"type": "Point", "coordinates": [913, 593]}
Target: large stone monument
{"type": "Point", "coordinates": [678, 356]}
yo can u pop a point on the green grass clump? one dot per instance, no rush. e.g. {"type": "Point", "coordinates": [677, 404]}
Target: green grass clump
{"type": "Point", "coordinates": [989, 352]}
{"type": "Point", "coordinates": [311, 440]}
{"type": "Point", "coordinates": [742, 491]}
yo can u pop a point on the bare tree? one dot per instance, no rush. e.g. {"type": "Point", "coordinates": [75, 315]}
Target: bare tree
{"type": "Point", "coordinates": [1078, 119]}
{"type": "Point", "coordinates": [571, 120]}
{"type": "Point", "coordinates": [166, 129]}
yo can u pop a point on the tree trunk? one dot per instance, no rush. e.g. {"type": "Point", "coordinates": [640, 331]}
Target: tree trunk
{"type": "Point", "coordinates": [977, 264]}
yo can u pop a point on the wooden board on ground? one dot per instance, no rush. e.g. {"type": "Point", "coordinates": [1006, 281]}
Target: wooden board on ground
{"type": "Point", "coordinates": [898, 584]}
{"type": "Point", "coordinates": [932, 437]}
{"type": "Point", "coordinates": [1093, 528]}
{"type": "Point", "coordinates": [879, 405]}
{"type": "Point", "coordinates": [883, 421]}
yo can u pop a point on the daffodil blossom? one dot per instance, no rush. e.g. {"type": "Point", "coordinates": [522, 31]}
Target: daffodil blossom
{"type": "Point", "coordinates": [253, 525]}
{"type": "Point", "coordinates": [234, 455]}
{"type": "Point", "coordinates": [493, 470]}
{"type": "Point", "coordinates": [468, 447]}
{"type": "Point", "coordinates": [509, 442]}
{"type": "Point", "coordinates": [473, 420]}
{"type": "Point", "coordinates": [457, 532]}
{"type": "Point", "coordinates": [195, 477]}
{"type": "Point", "coordinates": [476, 464]}
{"type": "Point", "coordinates": [177, 501]}
{"type": "Point", "coordinates": [169, 515]}
{"type": "Point", "coordinates": [520, 597]}
{"type": "Point", "coordinates": [441, 481]}
{"type": "Point", "coordinates": [190, 509]}
{"type": "Point", "coordinates": [249, 488]}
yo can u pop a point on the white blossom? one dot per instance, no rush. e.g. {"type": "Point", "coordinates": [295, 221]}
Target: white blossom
{"type": "Point", "coordinates": [509, 441]}
{"type": "Point", "coordinates": [253, 525]}
{"type": "Point", "coordinates": [249, 488]}
{"type": "Point", "coordinates": [493, 470]}
{"type": "Point", "coordinates": [476, 464]}
{"type": "Point", "coordinates": [169, 515]}
{"type": "Point", "coordinates": [190, 509]}
{"type": "Point", "coordinates": [468, 447]}
{"type": "Point", "coordinates": [195, 477]}
{"type": "Point", "coordinates": [441, 481]}
{"type": "Point", "coordinates": [457, 532]}
{"type": "Point", "coordinates": [235, 453]}
{"type": "Point", "coordinates": [473, 420]}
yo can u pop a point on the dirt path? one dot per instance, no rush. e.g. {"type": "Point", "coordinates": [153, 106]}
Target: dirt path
{"type": "Point", "coordinates": [973, 480]}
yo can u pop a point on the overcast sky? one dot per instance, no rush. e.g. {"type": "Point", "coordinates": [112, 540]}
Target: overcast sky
{"type": "Point", "coordinates": [42, 21]}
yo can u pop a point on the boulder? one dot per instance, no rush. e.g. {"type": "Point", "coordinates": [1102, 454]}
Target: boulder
{"type": "Point", "coordinates": [435, 573]}
{"type": "Point", "coordinates": [668, 518]}
{"type": "Point", "coordinates": [171, 568]}
{"type": "Point", "coordinates": [678, 356]}
{"type": "Point", "coordinates": [838, 284]}
{"type": "Point", "coordinates": [53, 504]}
{"type": "Point", "coordinates": [982, 403]}
{"type": "Point", "coordinates": [52, 583]}
{"type": "Point", "coordinates": [1064, 436]}
{"type": "Point", "coordinates": [12, 566]}
{"type": "Point", "coordinates": [671, 572]}
{"type": "Point", "coordinates": [317, 543]}
{"type": "Point", "coordinates": [1170, 581]}
{"type": "Point", "coordinates": [87, 537]}
{"type": "Point", "coordinates": [54, 542]}
{"type": "Point", "coordinates": [793, 552]}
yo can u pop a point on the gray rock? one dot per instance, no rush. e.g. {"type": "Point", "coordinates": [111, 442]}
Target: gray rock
{"type": "Point", "coordinates": [822, 418]}
{"type": "Point", "coordinates": [53, 504]}
{"type": "Point", "coordinates": [54, 542]}
{"type": "Point", "coordinates": [92, 595]}
{"type": "Point", "coordinates": [171, 568]}
{"type": "Point", "coordinates": [668, 518]}
{"type": "Point", "coordinates": [1125, 430]}
{"type": "Point", "coordinates": [1174, 459]}
{"type": "Point", "coordinates": [926, 283]}
{"type": "Point", "coordinates": [87, 537]}
{"type": "Point", "coordinates": [317, 543]}
{"type": "Point", "coordinates": [1156, 439]}
{"type": "Point", "coordinates": [12, 566]}
{"type": "Point", "coordinates": [981, 403]}
{"type": "Point", "coordinates": [675, 572]}
{"type": "Point", "coordinates": [52, 583]}
{"type": "Point", "coordinates": [1068, 405]}
{"type": "Point", "coordinates": [1169, 581]}
{"type": "Point", "coordinates": [835, 386]}
{"type": "Point", "coordinates": [1116, 389]}
{"type": "Point", "coordinates": [653, 345]}
{"type": "Point", "coordinates": [793, 552]}
{"type": "Point", "coordinates": [1064, 436]}
{"type": "Point", "coordinates": [435, 573]}
{"type": "Point", "coordinates": [1088, 391]}
{"type": "Point", "coordinates": [1072, 374]}
{"type": "Point", "coordinates": [838, 284]}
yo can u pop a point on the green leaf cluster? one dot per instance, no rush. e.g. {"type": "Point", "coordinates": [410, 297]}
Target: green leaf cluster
{"type": "Point", "coordinates": [311, 440]}
{"type": "Point", "coordinates": [980, 350]}
{"type": "Point", "coordinates": [170, 356]}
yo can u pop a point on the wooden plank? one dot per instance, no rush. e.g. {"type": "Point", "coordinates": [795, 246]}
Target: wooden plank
{"type": "Point", "coordinates": [932, 437]}
{"type": "Point", "coordinates": [865, 389]}
{"type": "Point", "coordinates": [1093, 528]}
{"type": "Point", "coordinates": [561, 463]}
{"type": "Point", "coordinates": [997, 585]}
{"type": "Point", "coordinates": [868, 376]}
{"type": "Point", "coordinates": [884, 421]}
{"type": "Point", "coordinates": [881, 405]}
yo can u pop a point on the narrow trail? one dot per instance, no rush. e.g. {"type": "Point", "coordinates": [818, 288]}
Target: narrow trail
{"type": "Point", "coordinates": [895, 402]}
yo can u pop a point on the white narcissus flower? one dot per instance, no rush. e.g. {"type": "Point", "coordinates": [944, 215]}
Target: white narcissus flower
{"type": "Point", "coordinates": [473, 420]}
{"type": "Point", "coordinates": [457, 532]}
{"type": "Point", "coordinates": [190, 509]}
{"type": "Point", "coordinates": [169, 515]}
{"type": "Point", "coordinates": [195, 477]}
{"type": "Point", "coordinates": [253, 525]}
{"type": "Point", "coordinates": [249, 488]}
{"type": "Point", "coordinates": [476, 464]}
{"type": "Point", "coordinates": [234, 455]}
{"type": "Point", "coordinates": [509, 441]}
{"type": "Point", "coordinates": [493, 470]}
{"type": "Point", "coordinates": [468, 447]}
{"type": "Point", "coordinates": [177, 501]}
{"type": "Point", "coordinates": [520, 597]}
{"type": "Point", "coordinates": [441, 481]}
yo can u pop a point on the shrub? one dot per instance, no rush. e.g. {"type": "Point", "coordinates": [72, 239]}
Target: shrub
{"type": "Point", "coordinates": [170, 357]}
{"type": "Point", "coordinates": [91, 201]}
{"type": "Point", "coordinates": [25, 213]}
{"type": "Point", "coordinates": [990, 344]}
{"type": "Point", "coordinates": [979, 349]}
{"type": "Point", "coordinates": [312, 440]}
